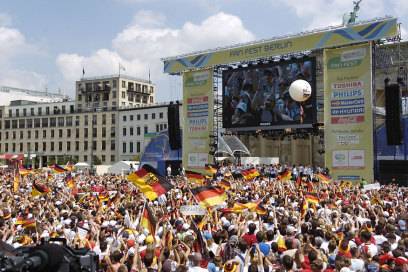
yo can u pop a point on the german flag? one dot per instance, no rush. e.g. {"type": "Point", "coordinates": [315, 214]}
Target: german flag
{"type": "Point", "coordinates": [26, 222]}
{"type": "Point", "coordinates": [246, 174]}
{"type": "Point", "coordinates": [323, 178]}
{"type": "Point", "coordinates": [23, 171]}
{"type": "Point", "coordinates": [16, 183]}
{"type": "Point", "coordinates": [103, 197]}
{"type": "Point", "coordinates": [69, 166]}
{"type": "Point", "coordinates": [254, 172]}
{"type": "Point", "coordinates": [304, 208]}
{"type": "Point", "coordinates": [285, 175]}
{"type": "Point", "coordinates": [39, 189]}
{"type": "Point", "coordinates": [209, 196]}
{"type": "Point", "coordinates": [195, 177]}
{"type": "Point", "coordinates": [311, 199]}
{"type": "Point", "coordinates": [149, 221]}
{"type": "Point", "coordinates": [6, 215]}
{"type": "Point", "coordinates": [150, 182]}
{"type": "Point", "coordinates": [210, 169]}
{"type": "Point", "coordinates": [260, 209]}
{"type": "Point", "coordinates": [236, 208]}
{"type": "Point", "coordinates": [225, 184]}
{"type": "Point", "coordinates": [57, 168]}
{"type": "Point", "coordinates": [281, 244]}
{"type": "Point", "coordinates": [69, 180]}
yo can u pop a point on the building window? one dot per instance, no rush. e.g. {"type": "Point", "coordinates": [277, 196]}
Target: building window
{"type": "Point", "coordinates": [24, 112]}
{"type": "Point", "coordinates": [113, 121]}
{"type": "Point", "coordinates": [47, 110]}
{"type": "Point", "coordinates": [137, 147]}
{"type": "Point", "coordinates": [77, 133]}
{"type": "Point", "coordinates": [153, 115]}
{"type": "Point", "coordinates": [44, 122]}
{"type": "Point", "coordinates": [21, 147]}
{"type": "Point", "coordinates": [131, 147]}
{"type": "Point", "coordinates": [14, 124]}
{"type": "Point", "coordinates": [36, 134]}
{"type": "Point", "coordinates": [161, 115]}
{"type": "Point", "coordinates": [68, 133]}
{"type": "Point", "coordinates": [157, 128]}
{"type": "Point", "coordinates": [39, 110]}
{"type": "Point", "coordinates": [114, 83]}
{"type": "Point", "coordinates": [113, 145]}
{"type": "Point", "coordinates": [32, 111]}
{"type": "Point", "coordinates": [69, 121]}
{"type": "Point", "coordinates": [44, 146]}
{"type": "Point", "coordinates": [29, 134]}
{"type": "Point", "coordinates": [124, 118]}
{"type": "Point", "coordinates": [85, 145]}
{"type": "Point", "coordinates": [124, 148]}
{"type": "Point", "coordinates": [113, 94]}
{"type": "Point", "coordinates": [6, 147]}
{"type": "Point", "coordinates": [17, 112]}
{"type": "Point", "coordinates": [131, 131]}
{"type": "Point", "coordinates": [85, 158]}
{"type": "Point", "coordinates": [123, 84]}
{"type": "Point", "coordinates": [145, 130]}
{"type": "Point", "coordinates": [59, 146]}
{"type": "Point", "coordinates": [103, 132]}
{"type": "Point", "coordinates": [113, 132]}
{"type": "Point", "coordinates": [68, 146]}
{"type": "Point", "coordinates": [7, 124]}
{"type": "Point", "coordinates": [44, 133]}
{"type": "Point", "coordinates": [21, 123]}
{"type": "Point", "coordinates": [124, 132]}
{"type": "Point", "coordinates": [123, 94]}
{"type": "Point", "coordinates": [112, 158]}
{"type": "Point", "coordinates": [85, 132]}
{"type": "Point", "coordinates": [52, 146]}
{"type": "Point", "coordinates": [53, 122]}
{"type": "Point", "coordinates": [52, 133]}
{"type": "Point", "coordinates": [146, 116]}
{"type": "Point", "coordinates": [76, 146]}
{"type": "Point", "coordinates": [14, 135]}
{"type": "Point", "coordinates": [76, 120]}
{"type": "Point", "coordinates": [60, 133]}
{"type": "Point", "coordinates": [138, 117]}
{"type": "Point", "coordinates": [131, 117]}
{"type": "Point", "coordinates": [71, 109]}
{"type": "Point", "coordinates": [63, 109]}
{"type": "Point", "coordinates": [60, 121]}
{"type": "Point", "coordinates": [94, 132]}
{"type": "Point", "coordinates": [21, 135]}
{"type": "Point", "coordinates": [94, 145]}
{"type": "Point", "coordinates": [86, 120]}
{"type": "Point", "coordinates": [103, 119]}
{"type": "Point", "coordinates": [36, 147]}
{"type": "Point", "coordinates": [138, 131]}
{"type": "Point", "coordinates": [103, 145]}
{"type": "Point", "coordinates": [37, 122]}
{"type": "Point", "coordinates": [94, 120]}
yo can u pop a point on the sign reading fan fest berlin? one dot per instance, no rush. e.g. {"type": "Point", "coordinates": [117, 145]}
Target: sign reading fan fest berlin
{"type": "Point", "coordinates": [198, 109]}
{"type": "Point", "coordinates": [348, 112]}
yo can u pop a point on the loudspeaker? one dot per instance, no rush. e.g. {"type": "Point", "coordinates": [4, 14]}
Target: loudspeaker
{"type": "Point", "coordinates": [173, 120]}
{"type": "Point", "coordinates": [393, 114]}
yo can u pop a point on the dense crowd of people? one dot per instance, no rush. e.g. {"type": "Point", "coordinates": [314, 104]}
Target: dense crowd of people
{"type": "Point", "coordinates": [265, 223]}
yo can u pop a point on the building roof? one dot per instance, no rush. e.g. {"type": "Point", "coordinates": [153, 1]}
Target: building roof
{"type": "Point", "coordinates": [8, 94]}
{"type": "Point", "coordinates": [116, 76]}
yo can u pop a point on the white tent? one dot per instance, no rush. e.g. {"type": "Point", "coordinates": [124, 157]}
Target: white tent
{"type": "Point", "coordinates": [123, 167]}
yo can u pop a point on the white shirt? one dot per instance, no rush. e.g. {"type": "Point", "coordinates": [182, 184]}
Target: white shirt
{"type": "Point", "coordinates": [357, 265]}
{"type": "Point", "coordinates": [197, 269]}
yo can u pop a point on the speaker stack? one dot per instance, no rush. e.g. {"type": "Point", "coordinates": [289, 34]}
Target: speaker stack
{"type": "Point", "coordinates": [393, 114]}
{"type": "Point", "coordinates": [173, 120]}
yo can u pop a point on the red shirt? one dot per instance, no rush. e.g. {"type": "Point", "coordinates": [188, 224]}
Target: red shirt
{"type": "Point", "coordinates": [249, 238]}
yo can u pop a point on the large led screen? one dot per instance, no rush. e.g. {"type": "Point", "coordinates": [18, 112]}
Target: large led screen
{"type": "Point", "coordinates": [257, 96]}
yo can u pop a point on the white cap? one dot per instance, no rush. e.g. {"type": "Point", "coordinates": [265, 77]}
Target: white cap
{"type": "Point", "coordinates": [186, 226]}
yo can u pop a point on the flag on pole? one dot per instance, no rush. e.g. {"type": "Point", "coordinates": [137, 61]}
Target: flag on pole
{"type": "Point", "coordinates": [57, 168]}
{"type": "Point", "coordinates": [83, 71]}
{"type": "Point", "coordinates": [149, 221]}
{"type": "Point", "coordinates": [195, 177]}
{"type": "Point", "coordinates": [39, 189]}
{"type": "Point", "coordinates": [150, 182]}
{"type": "Point", "coordinates": [209, 196]}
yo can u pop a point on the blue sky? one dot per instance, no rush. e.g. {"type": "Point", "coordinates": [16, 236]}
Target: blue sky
{"type": "Point", "coordinates": [45, 43]}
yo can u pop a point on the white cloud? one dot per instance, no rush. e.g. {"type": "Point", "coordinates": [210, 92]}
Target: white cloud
{"type": "Point", "coordinates": [23, 79]}
{"type": "Point", "coordinates": [140, 46]}
{"type": "Point", "coordinates": [12, 42]}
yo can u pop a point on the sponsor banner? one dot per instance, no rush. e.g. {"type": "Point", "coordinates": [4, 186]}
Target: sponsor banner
{"type": "Point", "coordinates": [198, 121]}
{"type": "Point", "coordinates": [333, 37]}
{"type": "Point", "coordinates": [373, 186]}
{"type": "Point", "coordinates": [192, 210]}
{"type": "Point", "coordinates": [348, 112]}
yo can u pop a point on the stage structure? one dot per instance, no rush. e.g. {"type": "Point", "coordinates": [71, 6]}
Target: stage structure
{"type": "Point", "coordinates": [255, 78]}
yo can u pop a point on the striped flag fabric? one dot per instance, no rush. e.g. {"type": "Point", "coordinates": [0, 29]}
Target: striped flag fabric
{"type": "Point", "coordinates": [195, 177]}
{"type": "Point", "coordinates": [24, 171]}
{"type": "Point", "coordinates": [57, 168]}
{"type": "Point", "coordinates": [311, 199]}
{"type": "Point", "coordinates": [285, 175]}
{"type": "Point", "coordinates": [225, 184]}
{"type": "Point", "coordinates": [210, 169]}
{"type": "Point", "coordinates": [323, 178]}
{"type": "Point", "coordinates": [26, 222]}
{"type": "Point", "coordinates": [103, 196]}
{"type": "Point", "coordinates": [149, 221]}
{"type": "Point", "coordinates": [150, 182]}
{"type": "Point", "coordinates": [69, 166]}
{"type": "Point", "coordinates": [209, 196]}
{"type": "Point", "coordinates": [69, 180]}
{"type": "Point", "coordinates": [39, 189]}
{"type": "Point", "coordinates": [254, 172]}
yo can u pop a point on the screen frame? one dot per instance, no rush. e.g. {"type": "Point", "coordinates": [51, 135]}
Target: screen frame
{"type": "Point", "coordinates": [282, 124]}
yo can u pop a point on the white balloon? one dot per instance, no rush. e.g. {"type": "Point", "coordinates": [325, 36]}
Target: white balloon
{"type": "Point", "coordinates": [300, 90]}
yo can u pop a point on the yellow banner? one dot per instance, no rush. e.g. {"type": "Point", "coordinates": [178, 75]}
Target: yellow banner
{"type": "Point", "coordinates": [348, 112]}
{"type": "Point", "coordinates": [330, 37]}
{"type": "Point", "coordinates": [198, 112]}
